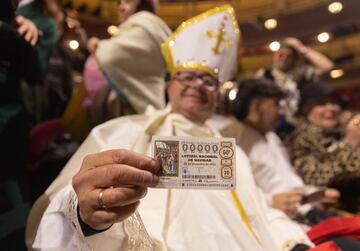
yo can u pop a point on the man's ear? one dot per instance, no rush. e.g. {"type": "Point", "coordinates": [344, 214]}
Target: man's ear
{"type": "Point", "coordinates": [254, 105]}
{"type": "Point", "coordinates": [168, 85]}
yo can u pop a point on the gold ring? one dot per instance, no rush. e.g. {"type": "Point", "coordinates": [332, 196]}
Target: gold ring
{"type": "Point", "coordinates": [100, 199]}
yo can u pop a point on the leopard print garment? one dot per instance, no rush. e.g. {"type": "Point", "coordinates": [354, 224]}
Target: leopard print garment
{"type": "Point", "coordinates": [319, 158]}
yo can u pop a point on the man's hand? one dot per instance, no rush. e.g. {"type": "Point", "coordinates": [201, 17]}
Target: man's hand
{"type": "Point", "coordinates": [287, 202]}
{"type": "Point", "coordinates": [122, 176]}
{"type": "Point", "coordinates": [27, 29]}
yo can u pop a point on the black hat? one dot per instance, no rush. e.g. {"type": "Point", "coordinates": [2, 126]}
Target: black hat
{"type": "Point", "coordinates": [318, 93]}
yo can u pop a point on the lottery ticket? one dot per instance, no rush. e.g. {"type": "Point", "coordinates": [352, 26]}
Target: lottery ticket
{"type": "Point", "coordinates": [195, 163]}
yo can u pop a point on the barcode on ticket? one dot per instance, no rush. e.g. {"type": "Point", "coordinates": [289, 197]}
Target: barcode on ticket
{"type": "Point", "coordinates": [198, 176]}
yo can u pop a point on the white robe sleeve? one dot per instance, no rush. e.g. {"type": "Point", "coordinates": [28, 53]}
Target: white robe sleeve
{"type": "Point", "coordinates": [287, 232]}
{"type": "Point", "coordinates": [133, 60]}
{"type": "Point", "coordinates": [52, 223]}
{"type": "Point", "coordinates": [60, 229]}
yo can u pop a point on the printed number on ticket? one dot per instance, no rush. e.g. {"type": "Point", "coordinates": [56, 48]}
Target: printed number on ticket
{"type": "Point", "coordinates": [195, 163]}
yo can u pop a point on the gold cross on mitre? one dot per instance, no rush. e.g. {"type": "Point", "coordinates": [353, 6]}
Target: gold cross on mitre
{"type": "Point", "coordinates": [220, 37]}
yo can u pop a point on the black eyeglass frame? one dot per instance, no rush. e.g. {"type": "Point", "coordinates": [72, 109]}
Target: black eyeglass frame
{"type": "Point", "coordinates": [210, 83]}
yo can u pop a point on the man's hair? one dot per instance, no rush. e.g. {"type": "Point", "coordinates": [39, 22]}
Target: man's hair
{"type": "Point", "coordinates": [145, 5]}
{"type": "Point", "coordinates": [250, 89]}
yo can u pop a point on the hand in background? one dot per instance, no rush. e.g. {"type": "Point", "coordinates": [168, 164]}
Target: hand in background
{"type": "Point", "coordinates": [27, 29]}
{"type": "Point", "coordinates": [288, 201]}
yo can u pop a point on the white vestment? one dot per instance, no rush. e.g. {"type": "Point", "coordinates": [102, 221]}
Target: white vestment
{"type": "Point", "coordinates": [132, 59]}
{"type": "Point", "coordinates": [271, 166]}
{"type": "Point", "coordinates": [173, 219]}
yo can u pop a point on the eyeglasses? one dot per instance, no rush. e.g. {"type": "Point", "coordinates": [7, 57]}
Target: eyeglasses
{"type": "Point", "coordinates": [189, 79]}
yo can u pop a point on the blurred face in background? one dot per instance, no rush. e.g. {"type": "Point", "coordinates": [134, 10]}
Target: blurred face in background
{"type": "Point", "coordinates": [284, 59]}
{"type": "Point", "coordinates": [126, 8]}
{"type": "Point", "coordinates": [269, 112]}
{"type": "Point", "coordinates": [326, 115]}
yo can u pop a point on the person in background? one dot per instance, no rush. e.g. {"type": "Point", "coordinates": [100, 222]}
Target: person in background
{"type": "Point", "coordinates": [42, 13]}
{"type": "Point", "coordinates": [256, 112]}
{"type": "Point", "coordinates": [166, 219]}
{"type": "Point", "coordinates": [62, 65]}
{"type": "Point", "coordinates": [322, 154]}
{"type": "Point", "coordinates": [18, 62]}
{"type": "Point", "coordinates": [132, 61]}
{"type": "Point", "coordinates": [294, 66]}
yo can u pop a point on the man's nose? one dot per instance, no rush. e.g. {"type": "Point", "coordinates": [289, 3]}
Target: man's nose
{"type": "Point", "coordinates": [198, 82]}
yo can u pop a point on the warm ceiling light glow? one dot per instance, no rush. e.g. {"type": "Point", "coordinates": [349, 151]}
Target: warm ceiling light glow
{"type": "Point", "coordinates": [270, 24]}
{"type": "Point", "coordinates": [73, 44]}
{"type": "Point", "coordinates": [232, 94]}
{"type": "Point", "coordinates": [112, 30]}
{"type": "Point", "coordinates": [337, 73]}
{"type": "Point", "coordinates": [335, 7]}
{"type": "Point", "coordinates": [323, 37]}
{"type": "Point", "coordinates": [274, 46]}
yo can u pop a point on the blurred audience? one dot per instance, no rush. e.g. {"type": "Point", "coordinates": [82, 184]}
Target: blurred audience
{"type": "Point", "coordinates": [294, 66]}
{"type": "Point", "coordinates": [42, 13]}
{"type": "Point", "coordinates": [19, 61]}
{"type": "Point", "coordinates": [322, 153]}
{"type": "Point", "coordinates": [132, 62]}
{"type": "Point", "coordinates": [63, 62]}
{"type": "Point", "coordinates": [256, 110]}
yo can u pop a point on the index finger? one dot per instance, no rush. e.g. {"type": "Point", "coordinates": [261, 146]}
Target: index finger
{"type": "Point", "coordinates": [115, 175]}
{"type": "Point", "coordinates": [122, 156]}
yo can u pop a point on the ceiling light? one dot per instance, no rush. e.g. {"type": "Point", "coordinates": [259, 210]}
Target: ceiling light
{"type": "Point", "coordinates": [112, 30]}
{"type": "Point", "coordinates": [274, 46]}
{"type": "Point", "coordinates": [73, 44]}
{"type": "Point", "coordinates": [232, 94]}
{"type": "Point", "coordinates": [323, 37]}
{"type": "Point", "coordinates": [336, 73]}
{"type": "Point", "coordinates": [270, 23]}
{"type": "Point", "coordinates": [335, 7]}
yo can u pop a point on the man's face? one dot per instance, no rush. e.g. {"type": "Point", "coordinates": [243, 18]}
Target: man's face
{"type": "Point", "coordinates": [325, 115]}
{"type": "Point", "coordinates": [269, 112]}
{"type": "Point", "coordinates": [193, 93]}
{"type": "Point", "coordinates": [284, 59]}
{"type": "Point", "coordinates": [126, 8]}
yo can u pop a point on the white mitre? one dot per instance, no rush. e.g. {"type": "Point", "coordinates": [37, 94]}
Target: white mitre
{"type": "Point", "coordinates": [207, 42]}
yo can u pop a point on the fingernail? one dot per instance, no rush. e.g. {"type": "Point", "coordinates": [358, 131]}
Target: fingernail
{"type": "Point", "coordinates": [155, 163]}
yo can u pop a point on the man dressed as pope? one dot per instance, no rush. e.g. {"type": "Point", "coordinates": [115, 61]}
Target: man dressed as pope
{"type": "Point", "coordinates": [103, 199]}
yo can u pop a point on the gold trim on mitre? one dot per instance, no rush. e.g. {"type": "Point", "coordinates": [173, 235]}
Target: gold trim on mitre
{"type": "Point", "coordinates": [196, 66]}
{"type": "Point", "coordinates": [166, 46]}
